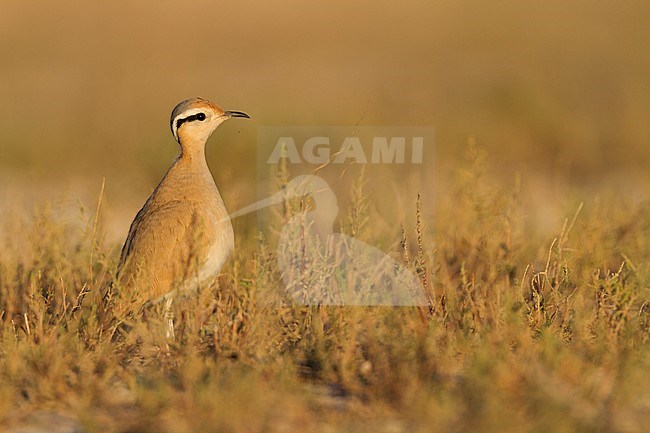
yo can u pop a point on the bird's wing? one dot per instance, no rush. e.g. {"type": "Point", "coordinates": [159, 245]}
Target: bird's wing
{"type": "Point", "coordinates": [163, 246]}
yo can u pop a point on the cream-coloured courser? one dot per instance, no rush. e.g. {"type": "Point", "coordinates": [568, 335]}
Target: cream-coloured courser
{"type": "Point", "coordinates": [182, 236]}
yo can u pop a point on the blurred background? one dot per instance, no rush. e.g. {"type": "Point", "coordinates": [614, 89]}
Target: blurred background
{"type": "Point", "coordinates": [556, 90]}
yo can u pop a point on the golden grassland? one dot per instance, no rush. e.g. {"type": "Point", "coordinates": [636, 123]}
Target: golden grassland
{"type": "Point", "coordinates": [535, 248]}
{"type": "Point", "coordinates": [522, 335]}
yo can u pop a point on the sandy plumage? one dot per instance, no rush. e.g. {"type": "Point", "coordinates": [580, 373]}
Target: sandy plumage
{"type": "Point", "coordinates": [181, 237]}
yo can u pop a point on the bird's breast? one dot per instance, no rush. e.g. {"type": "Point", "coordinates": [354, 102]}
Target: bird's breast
{"type": "Point", "coordinates": [188, 205]}
{"type": "Point", "coordinates": [219, 249]}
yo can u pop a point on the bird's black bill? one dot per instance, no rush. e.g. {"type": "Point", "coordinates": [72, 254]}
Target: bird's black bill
{"type": "Point", "coordinates": [237, 114]}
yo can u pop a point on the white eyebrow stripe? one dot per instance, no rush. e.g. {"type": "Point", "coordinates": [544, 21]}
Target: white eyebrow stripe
{"type": "Point", "coordinates": [183, 115]}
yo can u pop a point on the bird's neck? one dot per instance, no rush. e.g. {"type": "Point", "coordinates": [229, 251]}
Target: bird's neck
{"type": "Point", "coordinates": [192, 152]}
{"type": "Point", "coordinates": [189, 171]}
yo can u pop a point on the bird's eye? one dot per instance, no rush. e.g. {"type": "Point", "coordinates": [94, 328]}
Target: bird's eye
{"type": "Point", "coordinates": [200, 116]}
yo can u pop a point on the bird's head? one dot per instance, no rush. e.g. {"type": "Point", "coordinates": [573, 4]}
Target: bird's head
{"type": "Point", "coordinates": [194, 119]}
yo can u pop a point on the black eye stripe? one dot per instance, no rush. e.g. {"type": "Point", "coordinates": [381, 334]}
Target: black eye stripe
{"type": "Point", "coordinates": [197, 116]}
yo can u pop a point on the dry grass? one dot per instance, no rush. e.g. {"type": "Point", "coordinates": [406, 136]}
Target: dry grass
{"type": "Point", "coordinates": [519, 337]}
{"type": "Point", "coordinates": [535, 254]}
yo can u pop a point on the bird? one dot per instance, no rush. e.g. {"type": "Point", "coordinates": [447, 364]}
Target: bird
{"type": "Point", "coordinates": [182, 236]}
